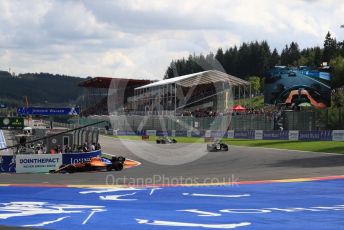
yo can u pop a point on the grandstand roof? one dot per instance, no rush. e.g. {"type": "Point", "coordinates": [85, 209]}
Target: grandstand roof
{"type": "Point", "coordinates": [204, 77]}
{"type": "Point", "coordinates": [104, 82]}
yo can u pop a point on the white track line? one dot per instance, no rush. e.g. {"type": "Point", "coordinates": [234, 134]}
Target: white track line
{"type": "Point", "coordinates": [289, 150]}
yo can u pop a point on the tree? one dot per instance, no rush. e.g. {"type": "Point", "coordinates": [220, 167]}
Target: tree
{"type": "Point", "coordinates": [290, 54]}
{"type": "Point", "coordinates": [294, 54]}
{"type": "Point", "coordinates": [285, 60]}
{"type": "Point", "coordinates": [330, 48]}
{"type": "Point", "coordinates": [275, 58]}
{"type": "Point", "coordinates": [255, 84]}
{"type": "Point", "coordinates": [337, 72]}
{"type": "Point", "coordinates": [220, 57]}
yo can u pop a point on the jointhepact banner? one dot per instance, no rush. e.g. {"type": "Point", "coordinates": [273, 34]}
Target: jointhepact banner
{"type": "Point", "coordinates": [38, 163]}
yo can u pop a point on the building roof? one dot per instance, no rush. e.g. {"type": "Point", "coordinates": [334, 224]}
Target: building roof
{"type": "Point", "coordinates": [205, 77]}
{"type": "Point", "coordinates": [105, 82]}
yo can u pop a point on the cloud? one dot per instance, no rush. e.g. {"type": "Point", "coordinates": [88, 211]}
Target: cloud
{"type": "Point", "coordinates": [138, 38]}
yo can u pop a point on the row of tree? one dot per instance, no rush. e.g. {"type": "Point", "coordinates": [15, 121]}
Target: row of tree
{"type": "Point", "coordinates": [257, 58]}
{"type": "Point", "coordinates": [40, 89]}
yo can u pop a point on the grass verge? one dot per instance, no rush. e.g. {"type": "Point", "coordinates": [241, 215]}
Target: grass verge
{"type": "Point", "coordinates": [313, 146]}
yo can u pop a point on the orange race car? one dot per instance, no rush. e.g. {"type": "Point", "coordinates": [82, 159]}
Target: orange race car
{"type": "Point", "coordinates": [95, 164]}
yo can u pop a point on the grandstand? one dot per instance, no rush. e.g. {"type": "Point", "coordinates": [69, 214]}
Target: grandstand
{"type": "Point", "coordinates": [104, 95]}
{"type": "Point", "coordinates": [206, 93]}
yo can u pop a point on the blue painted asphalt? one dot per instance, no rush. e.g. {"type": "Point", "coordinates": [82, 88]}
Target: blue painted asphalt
{"type": "Point", "coordinates": [301, 205]}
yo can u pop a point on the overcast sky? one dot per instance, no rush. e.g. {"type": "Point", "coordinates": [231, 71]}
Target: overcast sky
{"type": "Point", "coordinates": [138, 39]}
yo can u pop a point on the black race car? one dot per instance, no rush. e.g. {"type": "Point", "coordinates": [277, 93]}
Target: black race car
{"type": "Point", "coordinates": [217, 146]}
{"type": "Point", "coordinates": [165, 140]}
{"type": "Point", "coordinates": [94, 164]}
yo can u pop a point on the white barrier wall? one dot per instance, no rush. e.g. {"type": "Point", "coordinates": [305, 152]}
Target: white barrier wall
{"type": "Point", "coordinates": [36, 163]}
{"type": "Point", "coordinates": [258, 135]}
{"type": "Point", "coordinates": [338, 135]}
{"type": "Point", "coordinates": [173, 133]}
{"type": "Point", "coordinates": [151, 132]}
{"type": "Point", "coordinates": [230, 134]}
{"type": "Point", "coordinates": [293, 135]}
{"type": "Point", "coordinates": [207, 133]}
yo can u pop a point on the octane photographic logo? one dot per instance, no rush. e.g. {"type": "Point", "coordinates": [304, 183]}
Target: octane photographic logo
{"type": "Point", "coordinates": [171, 110]}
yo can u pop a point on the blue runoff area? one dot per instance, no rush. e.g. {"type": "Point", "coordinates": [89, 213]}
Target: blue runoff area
{"type": "Point", "coordinates": [302, 205]}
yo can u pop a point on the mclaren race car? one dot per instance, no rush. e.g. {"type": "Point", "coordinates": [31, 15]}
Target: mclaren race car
{"type": "Point", "coordinates": [217, 146]}
{"type": "Point", "coordinates": [95, 164]}
{"type": "Point", "coordinates": [165, 140]}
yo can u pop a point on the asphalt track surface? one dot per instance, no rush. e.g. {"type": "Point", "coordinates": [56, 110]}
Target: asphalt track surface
{"type": "Point", "coordinates": [239, 164]}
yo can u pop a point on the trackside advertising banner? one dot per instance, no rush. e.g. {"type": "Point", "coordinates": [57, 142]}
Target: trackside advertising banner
{"type": "Point", "coordinates": [151, 132]}
{"type": "Point", "coordinates": [293, 135]}
{"type": "Point", "coordinates": [276, 135]}
{"type": "Point", "coordinates": [72, 158]}
{"type": "Point", "coordinates": [181, 133]}
{"type": "Point", "coordinates": [230, 134]}
{"type": "Point", "coordinates": [37, 163]}
{"type": "Point", "coordinates": [47, 111]}
{"type": "Point", "coordinates": [319, 135]}
{"type": "Point", "coordinates": [218, 134]}
{"type": "Point", "coordinates": [258, 135]}
{"type": "Point", "coordinates": [160, 133]}
{"type": "Point", "coordinates": [7, 164]}
{"type": "Point", "coordinates": [244, 134]}
{"type": "Point", "coordinates": [338, 135]}
{"type": "Point", "coordinates": [314, 135]}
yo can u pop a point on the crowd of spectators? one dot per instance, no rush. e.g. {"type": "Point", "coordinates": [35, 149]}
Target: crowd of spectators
{"type": "Point", "coordinates": [86, 147]}
{"type": "Point", "coordinates": [41, 148]}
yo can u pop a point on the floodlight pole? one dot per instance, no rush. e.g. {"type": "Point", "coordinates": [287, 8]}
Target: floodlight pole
{"type": "Point", "coordinates": [175, 99]}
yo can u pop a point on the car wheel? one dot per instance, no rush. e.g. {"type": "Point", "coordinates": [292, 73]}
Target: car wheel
{"type": "Point", "coordinates": [88, 167]}
{"type": "Point", "coordinates": [224, 148]}
{"type": "Point", "coordinates": [109, 168]}
{"type": "Point", "coordinates": [121, 159]}
{"type": "Point", "coordinates": [117, 166]}
{"type": "Point", "coordinates": [71, 169]}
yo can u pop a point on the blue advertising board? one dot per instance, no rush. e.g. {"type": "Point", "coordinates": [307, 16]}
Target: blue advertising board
{"type": "Point", "coordinates": [275, 135]}
{"type": "Point", "coordinates": [130, 133]}
{"type": "Point", "coordinates": [181, 133]}
{"type": "Point", "coordinates": [197, 133]}
{"type": "Point", "coordinates": [160, 133]}
{"type": "Point", "coordinates": [217, 133]}
{"type": "Point", "coordinates": [244, 134]}
{"type": "Point", "coordinates": [22, 111]}
{"type": "Point", "coordinates": [315, 135]}
{"type": "Point", "coordinates": [7, 164]}
{"type": "Point", "coordinates": [3, 106]}
{"type": "Point", "coordinates": [72, 158]}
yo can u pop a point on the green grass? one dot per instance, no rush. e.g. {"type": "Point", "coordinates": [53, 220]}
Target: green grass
{"type": "Point", "coordinates": [153, 138]}
{"type": "Point", "coordinates": [314, 146]}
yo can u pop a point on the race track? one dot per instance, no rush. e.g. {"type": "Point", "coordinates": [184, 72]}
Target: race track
{"type": "Point", "coordinates": [239, 164]}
